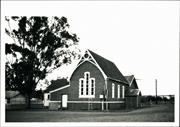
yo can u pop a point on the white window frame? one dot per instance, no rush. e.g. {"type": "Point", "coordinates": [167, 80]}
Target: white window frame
{"type": "Point", "coordinates": [85, 86]}
{"type": "Point", "coordinates": [80, 88]}
{"type": "Point", "coordinates": [118, 91]}
{"type": "Point", "coordinates": [85, 73]}
{"type": "Point", "coordinates": [123, 91]}
{"type": "Point", "coordinates": [90, 88]}
{"type": "Point", "coordinates": [113, 90]}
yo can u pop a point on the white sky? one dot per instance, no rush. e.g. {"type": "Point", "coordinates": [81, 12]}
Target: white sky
{"type": "Point", "coordinates": [141, 38]}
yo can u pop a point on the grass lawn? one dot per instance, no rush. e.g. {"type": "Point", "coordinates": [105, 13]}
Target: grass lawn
{"type": "Point", "coordinates": [156, 113]}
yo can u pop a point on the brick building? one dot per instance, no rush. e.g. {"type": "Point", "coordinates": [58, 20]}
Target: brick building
{"type": "Point", "coordinates": [95, 84]}
{"type": "Point", "coordinates": [133, 94]}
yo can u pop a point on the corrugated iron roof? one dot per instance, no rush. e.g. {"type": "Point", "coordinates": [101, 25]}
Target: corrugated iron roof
{"type": "Point", "coordinates": [129, 78]}
{"type": "Point", "coordinates": [12, 93]}
{"type": "Point", "coordinates": [133, 92]}
{"type": "Point", "coordinates": [109, 68]}
{"type": "Point", "coordinates": [55, 84]}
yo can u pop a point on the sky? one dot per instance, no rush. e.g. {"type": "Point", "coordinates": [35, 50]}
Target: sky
{"type": "Point", "coordinates": [141, 38]}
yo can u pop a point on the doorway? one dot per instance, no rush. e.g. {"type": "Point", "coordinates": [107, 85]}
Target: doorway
{"type": "Point", "coordinates": [64, 101]}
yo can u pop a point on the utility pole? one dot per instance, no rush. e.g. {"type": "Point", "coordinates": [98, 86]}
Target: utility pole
{"type": "Point", "coordinates": [156, 89]}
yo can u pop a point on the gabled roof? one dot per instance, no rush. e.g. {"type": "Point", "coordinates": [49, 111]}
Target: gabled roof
{"type": "Point", "coordinates": [55, 84]}
{"type": "Point", "coordinates": [12, 94]}
{"type": "Point", "coordinates": [109, 68]}
{"type": "Point", "coordinates": [129, 78]}
{"type": "Point", "coordinates": [132, 81]}
{"type": "Point", "coordinates": [133, 92]}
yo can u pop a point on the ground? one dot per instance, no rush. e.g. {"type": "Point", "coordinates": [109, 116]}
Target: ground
{"type": "Point", "coordinates": [155, 113]}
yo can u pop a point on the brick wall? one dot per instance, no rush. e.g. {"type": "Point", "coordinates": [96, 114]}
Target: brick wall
{"type": "Point", "coordinates": [79, 73]}
{"type": "Point", "coordinates": [73, 90]}
{"type": "Point", "coordinates": [109, 85]}
{"type": "Point", "coordinates": [57, 96]}
{"type": "Point", "coordinates": [133, 102]}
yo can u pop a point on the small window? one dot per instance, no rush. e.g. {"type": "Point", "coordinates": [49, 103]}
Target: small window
{"type": "Point", "coordinates": [86, 55]}
{"type": "Point", "coordinates": [92, 86]}
{"type": "Point", "coordinates": [118, 91]}
{"type": "Point", "coordinates": [87, 76]}
{"type": "Point", "coordinates": [87, 89]}
{"type": "Point", "coordinates": [113, 90]}
{"type": "Point", "coordinates": [82, 89]}
{"type": "Point", "coordinates": [123, 90]}
{"type": "Point", "coordinates": [81, 82]}
{"type": "Point", "coordinates": [81, 86]}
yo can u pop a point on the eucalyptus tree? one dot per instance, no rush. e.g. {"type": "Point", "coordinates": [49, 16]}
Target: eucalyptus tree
{"type": "Point", "coordinates": [40, 45]}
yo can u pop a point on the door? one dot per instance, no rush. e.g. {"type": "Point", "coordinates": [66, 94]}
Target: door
{"type": "Point", "coordinates": [64, 101]}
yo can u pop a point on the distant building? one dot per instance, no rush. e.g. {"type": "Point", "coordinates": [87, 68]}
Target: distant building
{"type": "Point", "coordinates": [133, 94]}
{"type": "Point", "coordinates": [55, 84]}
{"type": "Point", "coordinates": [14, 97]}
{"type": "Point", "coordinates": [95, 84]}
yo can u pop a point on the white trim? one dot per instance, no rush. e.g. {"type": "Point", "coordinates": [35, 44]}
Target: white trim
{"type": "Point", "coordinates": [118, 91]}
{"type": "Point", "coordinates": [96, 64]}
{"type": "Point", "coordinates": [55, 101]}
{"type": "Point", "coordinates": [87, 87]}
{"type": "Point", "coordinates": [96, 102]}
{"type": "Point", "coordinates": [87, 76]}
{"type": "Point", "coordinates": [131, 81]}
{"type": "Point", "coordinates": [87, 72]}
{"type": "Point", "coordinates": [113, 90]}
{"type": "Point", "coordinates": [123, 91]}
{"type": "Point", "coordinates": [81, 79]}
{"type": "Point", "coordinates": [59, 88]}
{"type": "Point", "coordinates": [94, 88]}
{"type": "Point", "coordinates": [87, 96]}
{"type": "Point", "coordinates": [91, 101]}
{"type": "Point", "coordinates": [116, 102]}
{"type": "Point", "coordinates": [104, 75]}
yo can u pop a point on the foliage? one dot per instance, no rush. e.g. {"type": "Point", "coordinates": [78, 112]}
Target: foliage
{"type": "Point", "coordinates": [41, 44]}
{"type": "Point", "coordinates": [146, 99]}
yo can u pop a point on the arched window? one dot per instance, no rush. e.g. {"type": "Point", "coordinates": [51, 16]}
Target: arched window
{"type": "Point", "coordinates": [118, 91]}
{"type": "Point", "coordinates": [87, 86]}
{"type": "Point", "coordinates": [113, 87]}
{"type": "Point", "coordinates": [81, 86]}
{"type": "Point", "coordinates": [123, 91]}
{"type": "Point", "coordinates": [92, 86]}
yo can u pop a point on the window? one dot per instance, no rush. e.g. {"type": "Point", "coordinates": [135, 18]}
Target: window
{"type": "Point", "coordinates": [113, 86]}
{"type": "Point", "coordinates": [123, 91]}
{"type": "Point", "coordinates": [118, 91]}
{"type": "Point", "coordinates": [86, 55]}
{"type": "Point", "coordinates": [92, 86]}
{"type": "Point", "coordinates": [87, 86]}
{"type": "Point", "coordinates": [82, 86]}
{"type": "Point", "coordinates": [87, 89]}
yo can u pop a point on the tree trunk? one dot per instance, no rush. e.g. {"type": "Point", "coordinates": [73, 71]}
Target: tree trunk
{"type": "Point", "coordinates": [28, 102]}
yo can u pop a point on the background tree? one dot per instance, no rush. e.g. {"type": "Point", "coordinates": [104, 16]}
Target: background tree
{"type": "Point", "coordinates": [41, 44]}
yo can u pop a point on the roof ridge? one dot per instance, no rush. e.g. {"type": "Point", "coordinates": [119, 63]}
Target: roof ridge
{"type": "Point", "coordinates": [108, 67]}
{"type": "Point", "coordinates": [100, 56]}
{"type": "Point", "coordinates": [128, 75]}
